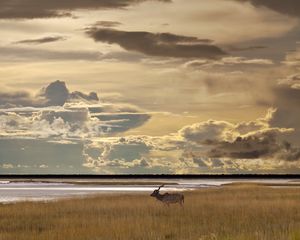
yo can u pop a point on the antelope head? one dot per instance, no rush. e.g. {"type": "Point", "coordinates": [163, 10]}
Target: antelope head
{"type": "Point", "coordinates": [156, 191]}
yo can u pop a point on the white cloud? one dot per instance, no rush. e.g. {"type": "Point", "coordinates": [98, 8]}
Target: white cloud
{"type": "Point", "coordinates": [227, 62]}
{"type": "Point", "coordinates": [209, 130]}
{"type": "Point", "coordinates": [214, 146]}
{"type": "Point", "coordinates": [63, 115]}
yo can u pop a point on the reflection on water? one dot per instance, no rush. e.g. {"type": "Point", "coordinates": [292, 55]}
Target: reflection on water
{"type": "Point", "coordinates": [39, 191]}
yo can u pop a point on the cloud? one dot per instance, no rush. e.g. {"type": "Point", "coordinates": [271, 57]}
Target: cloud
{"type": "Point", "coordinates": [287, 7]}
{"type": "Point", "coordinates": [157, 44]}
{"type": "Point", "coordinates": [125, 149]}
{"type": "Point", "coordinates": [117, 118]}
{"type": "Point", "coordinates": [292, 81]}
{"type": "Point", "coordinates": [213, 146]}
{"type": "Point", "coordinates": [65, 123]}
{"type": "Point", "coordinates": [207, 131]}
{"type": "Point", "coordinates": [42, 40]}
{"type": "Point", "coordinates": [12, 99]}
{"type": "Point", "coordinates": [245, 48]}
{"type": "Point", "coordinates": [56, 112]}
{"type": "Point", "coordinates": [120, 122]}
{"type": "Point", "coordinates": [123, 56]}
{"type": "Point", "coordinates": [261, 144]}
{"type": "Point", "coordinates": [29, 9]}
{"type": "Point", "coordinates": [246, 140]}
{"type": "Point", "coordinates": [27, 54]}
{"type": "Point", "coordinates": [19, 54]}
{"type": "Point", "coordinates": [211, 131]}
{"type": "Point", "coordinates": [107, 24]}
{"type": "Point", "coordinates": [292, 58]}
{"type": "Point", "coordinates": [55, 94]}
{"type": "Point", "coordinates": [286, 98]}
{"type": "Point", "coordinates": [56, 123]}
{"type": "Point", "coordinates": [10, 54]}
{"type": "Point", "coordinates": [227, 62]}
{"type": "Point", "coordinates": [76, 120]}
{"type": "Point", "coordinates": [132, 154]}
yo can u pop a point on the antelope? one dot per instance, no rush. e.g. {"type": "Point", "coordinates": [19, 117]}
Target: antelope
{"type": "Point", "coordinates": [168, 198]}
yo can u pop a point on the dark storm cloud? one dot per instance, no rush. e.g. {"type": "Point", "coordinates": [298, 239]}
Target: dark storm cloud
{"type": "Point", "coordinates": [42, 40]}
{"type": "Point", "coordinates": [157, 44]}
{"type": "Point", "coordinates": [22, 9]}
{"type": "Point", "coordinates": [55, 94]}
{"type": "Point", "coordinates": [288, 7]}
{"type": "Point", "coordinates": [264, 146]}
{"type": "Point", "coordinates": [250, 147]}
{"type": "Point", "coordinates": [246, 140]}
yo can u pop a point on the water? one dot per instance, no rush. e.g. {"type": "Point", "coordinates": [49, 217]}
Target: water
{"type": "Point", "coordinates": [40, 191]}
{"type": "Point", "coordinates": [23, 191]}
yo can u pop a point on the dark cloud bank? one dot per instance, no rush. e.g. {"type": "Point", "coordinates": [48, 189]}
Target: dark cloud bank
{"type": "Point", "coordinates": [264, 145]}
{"type": "Point", "coordinates": [288, 7]}
{"type": "Point", "coordinates": [157, 44]}
{"type": "Point", "coordinates": [29, 9]}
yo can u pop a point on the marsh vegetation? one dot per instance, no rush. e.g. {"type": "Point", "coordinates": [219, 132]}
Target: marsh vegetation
{"type": "Point", "coordinates": [241, 212]}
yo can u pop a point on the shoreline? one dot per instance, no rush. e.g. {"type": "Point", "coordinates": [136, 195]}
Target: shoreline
{"type": "Point", "coordinates": [44, 191]}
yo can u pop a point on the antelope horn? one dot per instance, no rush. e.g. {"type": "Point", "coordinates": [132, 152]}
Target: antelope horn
{"type": "Point", "coordinates": [160, 187]}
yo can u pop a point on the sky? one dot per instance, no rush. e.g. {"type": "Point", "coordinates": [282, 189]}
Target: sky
{"type": "Point", "coordinates": [149, 86]}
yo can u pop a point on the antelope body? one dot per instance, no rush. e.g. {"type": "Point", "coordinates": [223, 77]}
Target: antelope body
{"type": "Point", "coordinates": [168, 198]}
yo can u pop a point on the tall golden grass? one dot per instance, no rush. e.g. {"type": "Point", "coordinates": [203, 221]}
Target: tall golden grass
{"type": "Point", "coordinates": [242, 212]}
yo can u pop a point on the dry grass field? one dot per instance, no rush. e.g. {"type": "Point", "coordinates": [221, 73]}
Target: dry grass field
{"type": "Point", "coordinates": [241, 212]}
